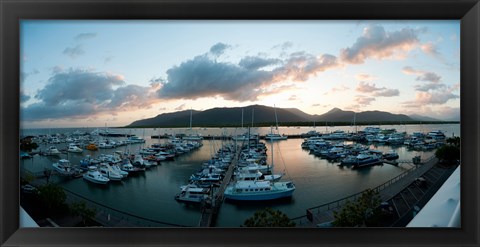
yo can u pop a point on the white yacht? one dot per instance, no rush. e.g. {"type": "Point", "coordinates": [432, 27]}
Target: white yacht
{"type": "Point", "coordinates": [63, 167]}
{"type": "Point", "coordinates": [72, 148]}
{"type": "Point", "coordinates": [256, 190]}
{"type": "Point", "coordinates": [94, 176]}
{"type": "Point", "coordinates": [107, 171]}
{"type": "Point", "coordinates": [52, 150]}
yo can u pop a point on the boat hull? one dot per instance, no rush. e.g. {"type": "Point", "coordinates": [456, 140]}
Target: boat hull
{"type": "Point", "coordinates": [229, 194]}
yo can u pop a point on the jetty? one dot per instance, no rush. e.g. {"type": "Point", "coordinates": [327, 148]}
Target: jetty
{"type": "Point", "coordinates": [212, 205]}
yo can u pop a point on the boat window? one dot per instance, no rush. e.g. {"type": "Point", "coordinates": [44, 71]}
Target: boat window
{"type": "Point", "coordinates": [256, 189]}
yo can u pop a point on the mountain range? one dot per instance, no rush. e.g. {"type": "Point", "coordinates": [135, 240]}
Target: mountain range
{"type": "Point", "coordinates": [264, 115]}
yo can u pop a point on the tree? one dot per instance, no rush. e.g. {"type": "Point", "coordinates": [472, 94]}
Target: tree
{"type": "Point", "coordinates": [365, 211]}
{"type": "Point", "coordinates": [52, 197]}
{"type": "Point", "coordinates": [450, 153]}
{"type": "Point", "coordinates": [269, 218]}
{"type": "Point", "coordinates": [81, 209]}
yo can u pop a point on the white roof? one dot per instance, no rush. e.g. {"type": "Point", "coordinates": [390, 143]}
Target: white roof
{"type": "Point", "coordinates": [443, 210]}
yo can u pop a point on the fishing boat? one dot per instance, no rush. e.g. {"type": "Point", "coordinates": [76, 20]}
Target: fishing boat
{"type": "Point", "coordinates": [63, 167]}
{"type": "Point", "coordinates": [91, 147]}
{"type": "Point", "coordinates": [192, 193]}
{"type": "Point", "coordinates": [52, 150]}
{"type": "Point", "coordinates": [94, 176]}
{"type": "Point", "coordinates": [365, 159]}
{"type": "Point", "coordinates": [107, 171]}
{"type": "Point", "coordinates": [390, 155]}
{"type": "Point", "coordinates": [128, 167]}
{"type": "Point", "coordinates": [72, 148]}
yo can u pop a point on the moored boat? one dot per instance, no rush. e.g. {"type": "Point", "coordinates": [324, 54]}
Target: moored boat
{"type": "Point", "coordinates": [193, 194]}
{"type": "Point", "coordinates": [257, 190]}
{"type": "Point", "coordinates": [94, 176]}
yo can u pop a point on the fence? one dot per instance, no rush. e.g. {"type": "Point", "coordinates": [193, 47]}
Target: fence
{"type": "Point", "coordinates": [112, 217]}
{"type": "Point", "coordinates": [318, 210]}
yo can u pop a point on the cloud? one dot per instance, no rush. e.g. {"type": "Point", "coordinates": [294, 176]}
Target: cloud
{"type": "Point", "coordinates": [429, 87]}
{"type": "Point", "coordinates": [74, 52]}
{"type": "Point", "coordinates": [300, 65]}
{"type": "Point", "coordinates": [386, 92]}
{"type": "Point", "coordinates": [438, 112]}
{"type": "Point", "coordinates": [84, 36]}
{"type": "Point", "coordinates": [377, 43]}
{"type": "Point", "coordinates": [84, 93]}
{"type": "Point", "coordinates": [432, 79]}
{"type": "Point", "coordinates": [24, 75]}
{"type": "Point", "coordinates": [202, 76]}
{"type": "Point", "coordinates": [430, 49]}
{"type": "Point", "coordinates": [371, 89]}
{"type": "Point", "coordinates": [284, 46]}
{"type": "Point", "coordinates": [180, 107]}
{"type": "Point", "coordinates": [24, 97]}
{"type": "Point", "coordinates": [365, 77]}
{"type": "Point", "coordinates": [363, 100]}
{"type": "Point", "coordinates": [315, 104]}
{"type": "Point", "coordinates": [341, 88]}
{"type": "Point", "coordinates": [293, 98]}
{"type": "Point", "coordinates": [218, 49]}
{"type": "Point", "coordinates": [438, 97]}
{"type": "Point", "coordinates": [107, 59]}
{"type": "Point", "coordinates": [421, 74]}
{"type": "Point", "coordinates": [254, 63]}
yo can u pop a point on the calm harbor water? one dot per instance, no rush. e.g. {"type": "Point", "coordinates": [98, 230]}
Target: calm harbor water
{"type": "Point", "coordinates": [151, 195]}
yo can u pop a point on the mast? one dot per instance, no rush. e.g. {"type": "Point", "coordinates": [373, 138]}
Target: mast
{"type": "Point", "coordinates": [271, 147]}
{"type": "Point", "coordinates": [253, 111]}
{"type": "Point", "coordinates": [276, 119]}
{"type": "Point", "coordinates": [354, 121]}
{"type": "Point", "coordinates": [190, 118]}
{"type": "Point", "coordinates": [242, 118]}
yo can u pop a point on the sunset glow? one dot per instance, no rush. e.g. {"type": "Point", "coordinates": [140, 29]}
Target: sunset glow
{"type": "Point", "coordinates": [88, 73]}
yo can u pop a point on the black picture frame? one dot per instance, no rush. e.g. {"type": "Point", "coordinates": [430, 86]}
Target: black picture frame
{"type": "Point", "coordinates": [468, 11]}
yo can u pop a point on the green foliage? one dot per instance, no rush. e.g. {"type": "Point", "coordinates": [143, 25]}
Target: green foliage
{"type": "Point", "coordinates": [454, 141]}
{"type": "Point", "coordinates": [450, 153]}
{"type": "Point", "coordinates": [269, 218]}
{"type": "Point", "coordinates": [28, 146]}
{"type": "Point", "coordinates": [363, 212]}
{"type": "Point", "coordinates": [52, 198]}
{"type": "Point", "coordinates": [81, 209]}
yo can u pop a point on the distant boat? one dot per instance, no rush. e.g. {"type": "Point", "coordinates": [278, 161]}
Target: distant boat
{"type": "Point", "coordinates": [275, 136]}
{"type": "Point", "coordinates": [192, 137]}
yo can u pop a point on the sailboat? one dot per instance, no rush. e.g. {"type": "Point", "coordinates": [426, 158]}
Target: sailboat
{"type": "Point", "coordinates": [275, 136]}
{"type": "Point", "coordinates": [192, 137]}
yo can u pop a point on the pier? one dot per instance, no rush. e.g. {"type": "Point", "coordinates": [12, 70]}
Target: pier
{"type": "Point", "coordinates": [402, 193]}
{"type": "Point", "coordinates": [211, 207]}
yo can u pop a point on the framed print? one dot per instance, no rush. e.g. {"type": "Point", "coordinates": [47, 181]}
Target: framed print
{"type": "Point", "coordinates": [239, 123]}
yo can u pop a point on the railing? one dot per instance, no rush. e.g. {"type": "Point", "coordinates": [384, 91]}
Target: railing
{"type": "Point", "coordinates": [109, 216]}
{"type": "Point", "coordinates": [311, 212]}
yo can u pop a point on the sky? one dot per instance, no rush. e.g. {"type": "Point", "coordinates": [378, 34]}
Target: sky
{"type": "Point", "coordinates": [90, 73]}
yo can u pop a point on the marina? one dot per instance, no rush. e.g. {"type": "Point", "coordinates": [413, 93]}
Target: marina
{"type": "Point", "coordinates": [317, 180]}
